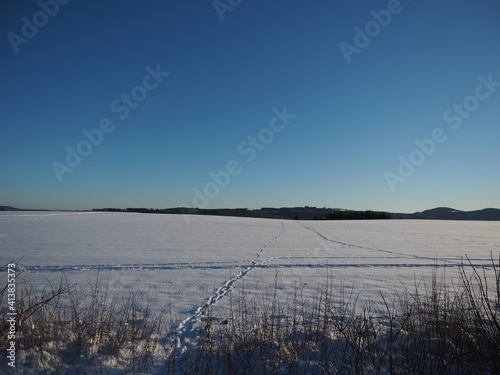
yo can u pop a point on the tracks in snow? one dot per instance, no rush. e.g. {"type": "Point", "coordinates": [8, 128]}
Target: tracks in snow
{"type": "Point", "coordinates": [185, 332]}
{"type": "Point", "coordinates": [323, 237]}
{"type": "Point", "coordinates": [129, 267]}
{"type": "Point", "coordinates": [258, 262]}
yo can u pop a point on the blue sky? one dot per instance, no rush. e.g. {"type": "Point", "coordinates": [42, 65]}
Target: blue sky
{"type": "Point", "coordinates": [181, 86]}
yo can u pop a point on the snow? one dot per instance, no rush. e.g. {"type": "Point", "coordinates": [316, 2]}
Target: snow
{"type": "Point", "coordinates": [188, 267]}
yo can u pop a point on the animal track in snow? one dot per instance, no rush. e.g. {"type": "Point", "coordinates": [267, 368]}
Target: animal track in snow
{"type": "Point", "coordinates": [185, 332]}
{"type": "Point", "coordinates": [371, 248]}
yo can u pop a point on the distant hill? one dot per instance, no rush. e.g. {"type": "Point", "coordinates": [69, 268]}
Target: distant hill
{"type": "Point", "coordinates": [8, 208]}
{"type": "Point", "coordinates": [447, 213]}
{"type": "Point", "coordinates": [311, 213]}
{"type": "Point", "coordinates": [316, 213]}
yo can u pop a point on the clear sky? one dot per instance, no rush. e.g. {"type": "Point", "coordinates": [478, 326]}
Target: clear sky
{"type": "Point", "coordinates": [385, 105]}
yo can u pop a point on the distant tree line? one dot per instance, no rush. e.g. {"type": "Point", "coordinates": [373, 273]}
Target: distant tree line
{"type": "Point", "coordinates": [355, 215]}
{"type": "Point", "coordinates": [141, 210]}
{"type": "Point", "coordinates": [296, 213]}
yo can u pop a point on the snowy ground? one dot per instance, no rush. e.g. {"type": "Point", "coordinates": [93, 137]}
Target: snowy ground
{"type": "Point", "coordinates": [188, 267]}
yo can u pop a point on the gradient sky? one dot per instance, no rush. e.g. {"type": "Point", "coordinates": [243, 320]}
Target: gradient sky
{"type": "Point", "coordinates": [229, 71]}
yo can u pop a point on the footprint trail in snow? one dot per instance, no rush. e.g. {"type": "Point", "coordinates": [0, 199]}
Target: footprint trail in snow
{"type": "Point", "coordinates": [185, 333]}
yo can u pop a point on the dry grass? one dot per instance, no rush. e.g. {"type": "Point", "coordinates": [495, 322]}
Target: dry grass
{"type": "Point", "coordinates": [429, 329]}
{"type": "Point", "coordinates": [57, 333]}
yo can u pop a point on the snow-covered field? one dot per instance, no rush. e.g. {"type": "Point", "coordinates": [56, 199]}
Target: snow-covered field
{"type": "Point", "coordinates": [187, 267]}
